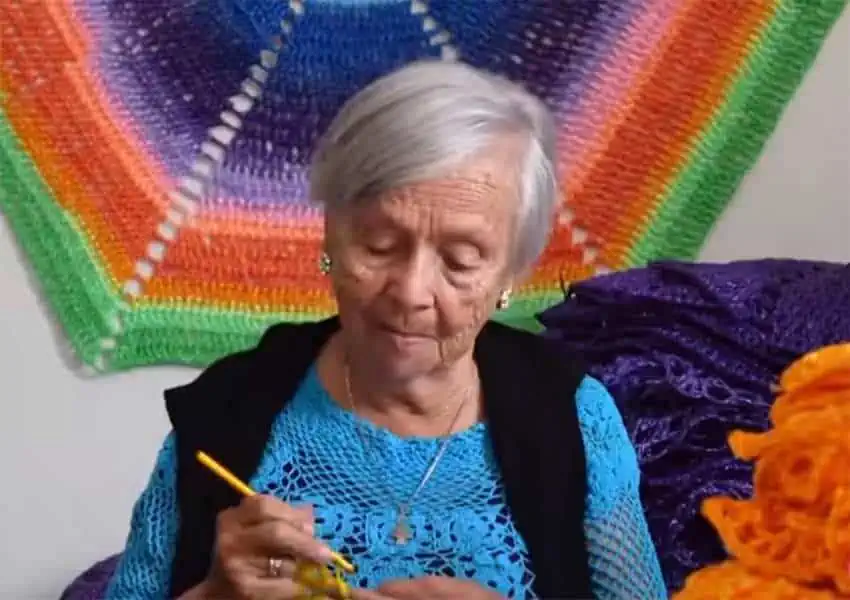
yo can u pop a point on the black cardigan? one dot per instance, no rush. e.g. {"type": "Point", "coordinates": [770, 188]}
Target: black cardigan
{"type": "Point", "coordinates": [528, 389]}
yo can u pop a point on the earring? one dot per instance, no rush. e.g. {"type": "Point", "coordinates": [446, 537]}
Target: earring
{"type": "Point", "coordinates": [504, 300]}
{"type": "Point", "coordinates": [325, 264]}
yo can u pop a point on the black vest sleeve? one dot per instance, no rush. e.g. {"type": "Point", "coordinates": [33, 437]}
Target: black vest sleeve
{"type": "Point", "coordinates": [228, 412]}
{"type": "Point", "coordinates": [529, 387]}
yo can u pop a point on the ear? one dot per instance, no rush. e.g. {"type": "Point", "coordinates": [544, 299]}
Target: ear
{"type": "Point", "coordinates": [336, 230]}
{"type": "Point", "coordinates": [519, 276]}
{"type": "Point", "coordinates": [508, 282]}
{"type": "Point", "coordinates": [327, 226]}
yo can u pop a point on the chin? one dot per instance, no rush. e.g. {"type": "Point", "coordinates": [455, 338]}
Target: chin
{"type": "Point", "coordinates": [401, 368]}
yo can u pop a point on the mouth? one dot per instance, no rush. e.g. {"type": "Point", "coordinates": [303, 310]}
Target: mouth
{"type": "Point", "coordinates": [408, 336]}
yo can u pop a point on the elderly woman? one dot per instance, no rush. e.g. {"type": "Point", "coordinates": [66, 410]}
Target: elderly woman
{"type": "Point", "coordinates": [445, 455]}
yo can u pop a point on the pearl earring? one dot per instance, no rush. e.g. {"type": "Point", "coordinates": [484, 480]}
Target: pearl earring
{"type": "Point", "coordinates": [504, 300]}
{"type": "Point", "coordinates": [325, 264]}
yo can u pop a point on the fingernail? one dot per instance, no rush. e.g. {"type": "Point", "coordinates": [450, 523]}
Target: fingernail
{"type": "Point", "coordinates": [325, 555]}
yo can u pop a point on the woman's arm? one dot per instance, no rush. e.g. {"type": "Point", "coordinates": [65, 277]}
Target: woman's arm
{"type": "Point", "coordinates": [623, 561]}
{"type": "Point", "coordinates": [144, 571]}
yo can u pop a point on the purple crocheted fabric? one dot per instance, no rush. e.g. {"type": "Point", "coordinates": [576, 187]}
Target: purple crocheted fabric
{"type": "Point", "coordinates": [92, 584]}
{"type": "Point", "coordinates": [690, 352]}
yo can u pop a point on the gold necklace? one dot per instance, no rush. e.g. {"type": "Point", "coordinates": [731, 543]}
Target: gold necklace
{"type": "Point", "coordinates": [401, 533]}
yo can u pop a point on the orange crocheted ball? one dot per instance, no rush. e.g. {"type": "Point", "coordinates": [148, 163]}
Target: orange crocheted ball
{"type": "Point", "coordinates": [731, 580]}
{"type": "Point", "coordinates": [792, 538]}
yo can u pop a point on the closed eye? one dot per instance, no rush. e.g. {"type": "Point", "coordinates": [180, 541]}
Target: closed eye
{"type": "Point", "coordinates": [461, 268]}
{"type": "Point", "coordinates": [463, 261]}
{"type": "Point", "coordinates": [380, 245]}
{"type": "Point", "coordinates": [379, 249]}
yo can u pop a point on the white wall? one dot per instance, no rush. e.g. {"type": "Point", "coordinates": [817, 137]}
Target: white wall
{"type": "Point", "coordinates": [74, 452]}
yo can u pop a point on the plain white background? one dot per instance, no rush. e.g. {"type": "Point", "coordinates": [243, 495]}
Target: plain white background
{"type": "Point", "coordinates": [75, 452]}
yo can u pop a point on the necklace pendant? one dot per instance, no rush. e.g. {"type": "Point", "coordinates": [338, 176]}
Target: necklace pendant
{"type": "Point", "coordinates": [401, 533]}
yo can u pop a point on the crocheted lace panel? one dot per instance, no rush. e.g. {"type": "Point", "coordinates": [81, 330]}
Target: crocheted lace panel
{"type": "Point", "coordinates": [460, 523]}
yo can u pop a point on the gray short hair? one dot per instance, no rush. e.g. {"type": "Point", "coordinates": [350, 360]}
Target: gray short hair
{"type": "Point", "coordinates": [424, 119]}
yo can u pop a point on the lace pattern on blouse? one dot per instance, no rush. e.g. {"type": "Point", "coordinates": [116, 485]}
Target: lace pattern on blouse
{"type": "Point", "coordinates": [460, 523]}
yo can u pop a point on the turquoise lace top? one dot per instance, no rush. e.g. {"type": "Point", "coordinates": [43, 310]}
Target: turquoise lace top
{"type": "Point", "coordinates": [460, 523]}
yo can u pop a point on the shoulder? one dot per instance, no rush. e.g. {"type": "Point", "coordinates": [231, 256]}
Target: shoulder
{"type": "Point", "coordinates": [611, 459]}
{"type": "Point", "coordinates": [516, 349]}
{"type": "Point", "coordinates": [518, 366]}
{"type": "Point", "coordinates": [595, 401]}
{"type": "Point", "coordinates": [278, 360]}
{"type": "Point", "coordinates": [600, 420]}
{"type": "Point", "coordinates": [163, 478]}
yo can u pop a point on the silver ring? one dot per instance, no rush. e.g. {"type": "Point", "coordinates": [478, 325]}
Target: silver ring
{"type": "Point", "coordinates": [275, 567]}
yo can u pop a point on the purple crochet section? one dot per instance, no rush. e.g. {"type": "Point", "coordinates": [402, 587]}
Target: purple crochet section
{"type": "Point", "coordinates": [690, 352]}
{"type": "Point", "coordinates": [92, 584]}
{"type": "Point", "coordinates": [171, 96]}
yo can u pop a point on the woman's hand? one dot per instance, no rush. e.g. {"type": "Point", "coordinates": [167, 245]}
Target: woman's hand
{"type": "Point", "coordinates": [429, 588]}
{"type": "Point", "coordinates": [257, 544]}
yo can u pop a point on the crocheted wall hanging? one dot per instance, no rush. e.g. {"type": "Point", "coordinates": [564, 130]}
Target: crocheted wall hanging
{"type": "Point", "coordinates": [153, 153]}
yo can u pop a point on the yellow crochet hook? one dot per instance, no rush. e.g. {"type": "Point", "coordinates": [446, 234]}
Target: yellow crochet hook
{"type": "Point", "coordinates": [240, 486]}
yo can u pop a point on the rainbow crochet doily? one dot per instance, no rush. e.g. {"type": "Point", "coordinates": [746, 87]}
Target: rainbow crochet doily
{"type": "Point", "coordinates": [153, 153]}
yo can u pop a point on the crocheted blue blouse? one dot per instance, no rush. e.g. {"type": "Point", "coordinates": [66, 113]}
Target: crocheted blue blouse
{"type": "Point", "coordinates": [460, 523]}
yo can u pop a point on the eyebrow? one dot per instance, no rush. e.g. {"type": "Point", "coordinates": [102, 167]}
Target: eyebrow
{"type": "Point", "coordinates": [449, 231]}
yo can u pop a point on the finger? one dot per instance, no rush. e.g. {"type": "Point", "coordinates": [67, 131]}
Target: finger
{"type": "Point", "coordinates": [236, 563]}
{"type": "Point", "coordinates": [261, 508]}
{"type": "Point", "coordinates": [281, 538]}
{"type": "Point", "coordinates": [402, 589]}
{"type": "Point", "coordinates": [305, 517]}
{"type": "Point", "coordinates": [361, 594]}
{"type": "Point", "coordinates": [413, 589]}
{"type": "Point", "coordinates": [250, 579]}
{"type": "Point", "coordinates": [261, 567]}
{"type": "Point", "coordinates": [273, 589]}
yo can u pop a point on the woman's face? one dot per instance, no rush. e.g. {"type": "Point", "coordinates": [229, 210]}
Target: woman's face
{"type": "Point", "coordinates": [418, 270]}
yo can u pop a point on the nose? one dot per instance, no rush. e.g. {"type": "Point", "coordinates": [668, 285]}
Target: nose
{"type": "Point", "coordinates": [411, 282]}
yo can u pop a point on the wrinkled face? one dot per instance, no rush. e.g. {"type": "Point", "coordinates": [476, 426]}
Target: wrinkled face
{"type": "Point", "coordinates": [418, 270]}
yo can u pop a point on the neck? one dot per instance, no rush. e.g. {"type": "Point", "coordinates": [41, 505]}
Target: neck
{"type": "Point", "coordinates": [431, 398]}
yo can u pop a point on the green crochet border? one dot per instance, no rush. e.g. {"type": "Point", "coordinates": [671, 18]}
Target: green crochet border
{"type": "Point", "coordinates": [71, 277]}
{"type": "Point", "coordinates": [84, 298]}
{"type": "Point", "coordinates": [729, 147]}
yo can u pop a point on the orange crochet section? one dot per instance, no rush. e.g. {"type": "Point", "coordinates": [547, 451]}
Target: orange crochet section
{"type": "Point", "coordinates": [792, 539]}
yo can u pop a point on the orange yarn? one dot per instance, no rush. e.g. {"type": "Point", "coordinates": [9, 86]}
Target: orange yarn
{"type": "Point", "coordinates": [696, 63]}
{"type": "Point", "coordinates": [792, 539]}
